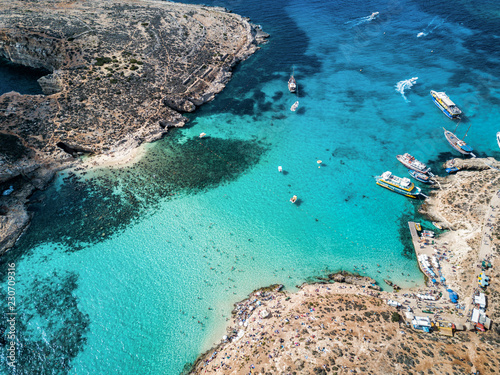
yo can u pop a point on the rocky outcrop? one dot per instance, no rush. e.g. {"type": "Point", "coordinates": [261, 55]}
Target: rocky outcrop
{"type": "Point", "coordinates": [52, 83]}
{"type": "Point", "coordinates": [179, 104]}
{"type": "Point", "coordinates": [461, 200]}
{"type": "Point", "coordinates": [121, 73]}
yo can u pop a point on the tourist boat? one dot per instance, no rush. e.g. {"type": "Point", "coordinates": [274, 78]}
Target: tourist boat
{"type": "Point", "coordinates": [293, 199]}
{"type": "Point", "coordinates": [292, 84]}
{"type": "Point", "coordinates": [457, 143]}
{"type": "Point", "coordinates": [399, 185]}
{"type": "Point", "coordinates": [410, 162]}
{"type": "Point", "coordinates": [422, 177]}
{"type": "Point", "coordinates": [437, 225]}
{"type": "Point", "coordinates": [498, 139]}
{"type": "Point", "coordinates": [446, 105]}
{"type": "Point", "coordinates": [294, 106]}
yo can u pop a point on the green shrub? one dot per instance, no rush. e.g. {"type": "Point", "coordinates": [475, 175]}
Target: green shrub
{"type": "Point", "coordinates": [100, 61]}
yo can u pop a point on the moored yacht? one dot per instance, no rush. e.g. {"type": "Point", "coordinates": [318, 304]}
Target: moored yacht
{"type": "Point", "coordinates": [457, 143]}
{"type": "Point", "coordinates": [410, 162]}
{"type": "Point", "coordinates": [444, 103]}
{"type": "Point", "coordinates": [422, 177]}
{"type": "Point", "coordinates": [399, 185]}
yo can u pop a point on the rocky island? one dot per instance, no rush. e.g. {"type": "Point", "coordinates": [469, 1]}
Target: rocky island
{"type": "Point", "coordinates": [345, 324]}
{"type": "Point", "coordinates": [120, 73]}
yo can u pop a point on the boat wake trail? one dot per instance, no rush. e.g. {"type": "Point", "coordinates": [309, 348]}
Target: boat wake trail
{"type": "Point", "coordinates": [359, 21]}
{"type": "Point", "coordinates": [401, 86]}
{"type": "Point", "coordinates": [430, 27]}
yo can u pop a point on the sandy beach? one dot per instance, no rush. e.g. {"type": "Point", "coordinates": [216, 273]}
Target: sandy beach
{"type": "Point", "coordinates": [341, 328]}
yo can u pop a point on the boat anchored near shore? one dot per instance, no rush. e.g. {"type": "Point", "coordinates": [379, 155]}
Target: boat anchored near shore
{"type": "Point", "coordinates": [398, 185]}
{"type": "Point", "coordinates": [422, 177]}
{"type": "Point", "coordinates": [458, 144]}
{"type": "Point", "coordinates": [444, 103]}
{"type": "Point", "coordinates": [411, 163]}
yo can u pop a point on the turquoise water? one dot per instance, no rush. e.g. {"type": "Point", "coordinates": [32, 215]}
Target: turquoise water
{"type": "Point", "coordinates": [135, 271]}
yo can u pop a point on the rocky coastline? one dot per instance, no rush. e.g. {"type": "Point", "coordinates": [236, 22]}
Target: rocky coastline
{"type": "Point", "coordinates": [121, 74]}
{"type": "Point", "coordinates": [345, 324]}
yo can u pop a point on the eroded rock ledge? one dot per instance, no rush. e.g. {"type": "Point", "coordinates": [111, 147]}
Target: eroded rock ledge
{"type": "Point", "coordinates": [121, 74]}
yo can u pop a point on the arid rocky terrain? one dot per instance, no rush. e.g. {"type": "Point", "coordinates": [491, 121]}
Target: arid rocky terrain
{"type": "Point", "coordinates": [120, 73]}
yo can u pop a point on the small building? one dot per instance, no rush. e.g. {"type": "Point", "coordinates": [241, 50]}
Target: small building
{"type": "Point", "coordinates": [445, 328]}
{"type": "Point", "coordinates": [422, 323]}
{"type": "Point", "coordinates": [479, 317]}
{"type": "Point", "coordinates": [480, 300]}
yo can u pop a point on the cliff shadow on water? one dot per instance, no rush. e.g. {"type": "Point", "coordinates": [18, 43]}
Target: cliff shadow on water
{"type": "Point", "coordinates": [19, 78]}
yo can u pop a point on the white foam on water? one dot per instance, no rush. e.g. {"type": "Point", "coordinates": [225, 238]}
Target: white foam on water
{"type": "Point", "coordinates": [402, 86]}
{"type": "Point", "coordinates": [361, 20]}
{"type": "Point", "coordinates": [430, 27]}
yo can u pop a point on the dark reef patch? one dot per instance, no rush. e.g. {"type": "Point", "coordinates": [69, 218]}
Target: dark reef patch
{"type": "Point", "coordinates": [84, 211]}
{"type": "Point", "coordinates": [50, 329]}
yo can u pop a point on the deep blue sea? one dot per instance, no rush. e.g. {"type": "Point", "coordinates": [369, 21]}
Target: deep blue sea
{"type": "Point", "coordinates": [134, 271]}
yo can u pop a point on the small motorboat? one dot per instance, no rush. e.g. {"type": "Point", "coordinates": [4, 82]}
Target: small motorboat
{"type": "Point", "coordinates": [280, 169]}
{"type": "Point", "coordinates": [498, 139]}
{"type": "Point", "coordinates": [292, 84]}
{"type": "Point", "coordinates": [294, 106]}
{"type": "Point", "coordinates": [437, 225]}
{"type": "Point", "coordinates": [420, 177]}
{"type": "Point", "coordinates": [293, 199]}
{"type": "Point", "coordinates": [452, 170]}
{"type": "Point", "coordinates": [428, 233]}
{"type": "Point", "coordinates": [202, 135]}
{"type": "Point", "coordinates": [418, 227]}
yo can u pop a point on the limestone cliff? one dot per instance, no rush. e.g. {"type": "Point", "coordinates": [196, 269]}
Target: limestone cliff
{"type": "Point", "coordinates": [121, 73]}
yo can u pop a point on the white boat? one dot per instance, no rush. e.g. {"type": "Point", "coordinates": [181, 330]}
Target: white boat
{"type": "Point", "coordinates": [293, 199]}
{"type": "Point", "coordinates": [202, 135]}
{"type": "Point", "coordinates": [399, 185]}
{"type": "Point", "coordinates": [410, 162]}
{"type": "Point", "coordinates": [292, 84]}
{"type": "Point", "coordinates": [498, 139]}
{"type": "Point", "coordinates": [280, 169]}
{"type": "Point", "coordinates": [294, 106]}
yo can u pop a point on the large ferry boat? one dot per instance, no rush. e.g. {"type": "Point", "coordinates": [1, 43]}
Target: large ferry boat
{"type": "Point", "coordinates": [410, 162]}
{"type": "Point", "coordinates": [444, 103]}
{"type": "Point", "coordinates": [457, 143]}
{"type": "Point", "coordinates": [399, 185]}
